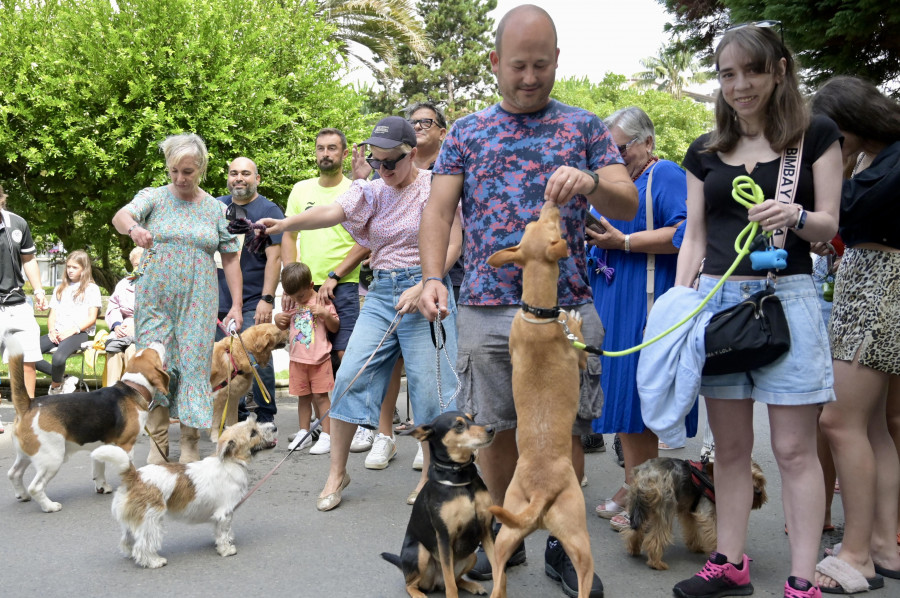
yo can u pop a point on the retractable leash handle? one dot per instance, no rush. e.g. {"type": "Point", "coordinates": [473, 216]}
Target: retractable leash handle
{"type": "Point", "coordinates": [746, 192]}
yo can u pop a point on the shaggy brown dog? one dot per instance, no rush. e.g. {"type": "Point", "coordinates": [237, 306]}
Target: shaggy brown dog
{"type": "Point", "coordinates": [232, 374]}
{"type": "Point", "coordinates": [666, 488]}
{"type": "Point", "coordinates": [544, 491]}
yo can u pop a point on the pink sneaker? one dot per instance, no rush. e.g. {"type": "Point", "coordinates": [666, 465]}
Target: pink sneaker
{"type": "Point", "coordinates": [717, 578]}
{"type": "Point", "coordinates": [809, 590]}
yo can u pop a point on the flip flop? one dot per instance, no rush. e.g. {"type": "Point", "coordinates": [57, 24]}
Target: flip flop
{"type": "Point", "coordinates": [609, 509]}
{"type": "Point", "coordinates": [407, 425]}
{"type": "Point", "coordinates": [849, 580]}
{"type": "Point", "coordinates": [620, 522]}
{"type": "Point", "coordinates": [892, 573]}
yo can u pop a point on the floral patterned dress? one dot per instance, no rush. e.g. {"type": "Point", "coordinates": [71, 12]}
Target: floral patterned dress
{"type": "Point", "coordinates": [177, 296]}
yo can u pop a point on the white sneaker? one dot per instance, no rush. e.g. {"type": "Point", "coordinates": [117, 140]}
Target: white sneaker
{"type": "Point", "coordinates": [296, 438]}
{"type": "Point", "coordinates": [70, 384]}
{"type": "Point", "coordinates": [322, 446]}
{"type": "Point", "coordinates": [383, 450]}
{"type": "Point", "coordinates": [362, 440]}
{"type": "Point", "coordinates": [419, 461]}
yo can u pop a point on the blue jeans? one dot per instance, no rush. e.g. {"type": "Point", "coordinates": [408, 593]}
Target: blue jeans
{"type": "Point", "coordinates": [265, 412]}
{"type": "Point", "coordinates": [362, 402]}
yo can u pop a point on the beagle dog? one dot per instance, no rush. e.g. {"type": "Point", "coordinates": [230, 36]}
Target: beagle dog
{"type": "Point", "coordinates": [48, 429]}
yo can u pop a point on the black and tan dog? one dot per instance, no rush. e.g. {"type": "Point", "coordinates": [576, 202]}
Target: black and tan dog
{"type": "Point", "coordinates": [666, 488]}
{"type": "Point", "coordinates": [450, 516]}
{"type": "Point", "coordinates": [48, 429]}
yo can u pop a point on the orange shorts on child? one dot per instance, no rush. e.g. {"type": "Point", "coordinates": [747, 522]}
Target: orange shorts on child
{"type": "Point", "coordinates": [308, 378]}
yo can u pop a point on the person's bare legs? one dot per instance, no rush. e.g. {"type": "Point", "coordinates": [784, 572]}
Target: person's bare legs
{"type": "Point", "coordinates": [793, 430]}
{"type": "Point", "coordinates": [322, 404]}
{"type": "Point", "coordinates": [637, 448]}
{"type": "Point", "coordinates": [887, 485]}
{"type": "Point", "coordinates": [498, 463]}
{"type": "Point", "coordinates": [30, 378]}
{"type": "Point", "coordinates": [893, 422]}
{"type": "Point", "coordinates": [731, 421]}
{"type": "Point", "coordinates": [829, 475]}
{"type": "Point", "coordinates": [860, 393]}
{"type": "Point", "coordinates": [386, 417]}
{"type": "Point", "coordinates": [304, 411]}
{"type": "Point", "coordinates": [341, 436]}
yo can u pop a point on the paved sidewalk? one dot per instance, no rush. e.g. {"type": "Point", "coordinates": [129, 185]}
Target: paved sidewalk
{"type": "Point", "coordinates": [287, 548]}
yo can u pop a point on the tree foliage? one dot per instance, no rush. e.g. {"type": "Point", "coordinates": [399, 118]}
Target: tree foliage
{"type": "Point", "coordinates": [673, 69]}
{"type": "Point", "coordinates": [677, 121]}
{"type": "Point", "coordinates": [457, 70]}
{"type": "Point", "coordinates": [829, 37]}
{"type": "Point", "coordinates": [87, 92]}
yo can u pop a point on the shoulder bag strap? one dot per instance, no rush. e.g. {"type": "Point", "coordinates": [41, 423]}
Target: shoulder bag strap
{"type": "Point", "coordinates": [651, 257]}
{"type": "Point", "coordinates": [788, 180]}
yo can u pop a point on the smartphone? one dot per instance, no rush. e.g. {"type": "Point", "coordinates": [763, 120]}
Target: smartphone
{"type": "Point", "coordinates": [593, 223]}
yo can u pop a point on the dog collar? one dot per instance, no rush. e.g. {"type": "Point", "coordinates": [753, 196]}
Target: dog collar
{"type": "Point", "coordinates": [541, 312]}
{"type": "Point", "coordinates": [145, 394]}
{"type": "Point", "coordinates": [454, 474]}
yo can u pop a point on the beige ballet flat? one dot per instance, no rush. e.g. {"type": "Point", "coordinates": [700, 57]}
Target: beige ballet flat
{"type": "Point", "coordinates": [411, 499]}
{"type": "Point", "coordinates": [330, 501]}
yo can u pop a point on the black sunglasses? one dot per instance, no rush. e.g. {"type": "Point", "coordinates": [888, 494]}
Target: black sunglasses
{"type": "Point", "coordinates": [235, 212]}
{"type": "Point", "coordinates": [624, 148]}
{"type": "Point", "coordinates": [388, 164]}
{"type": "Point", "coordinates": [425, 123]}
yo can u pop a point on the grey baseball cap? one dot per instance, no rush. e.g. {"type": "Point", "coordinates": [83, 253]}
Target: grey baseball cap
{"type": "Point", "coordinates": [391, 132]}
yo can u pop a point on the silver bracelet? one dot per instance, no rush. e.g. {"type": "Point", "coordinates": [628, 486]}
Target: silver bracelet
{"type": "Point", "coordinates": [132, 227]}
{"type": "Point", "coordinates": [627, 243]}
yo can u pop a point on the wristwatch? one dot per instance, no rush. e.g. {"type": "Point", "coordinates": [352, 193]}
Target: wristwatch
{"type": "Point", "coordinates": [333, 275]}
{"type": "Point", "coordinates": [594, 176]}
{"type": "Point", "coordinates": [801, 220]}
{"type": "Point", "coordinates": [270, 299]}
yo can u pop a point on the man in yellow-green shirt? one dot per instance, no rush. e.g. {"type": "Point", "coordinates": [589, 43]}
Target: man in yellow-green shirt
{"type": "Point", "coordinates": [332, 255]}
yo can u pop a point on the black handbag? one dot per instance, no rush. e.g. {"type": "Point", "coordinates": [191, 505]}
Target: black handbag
{"type": "Point", "coordinates": [747, 336]}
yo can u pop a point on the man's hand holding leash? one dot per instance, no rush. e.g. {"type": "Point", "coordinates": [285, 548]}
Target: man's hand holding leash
{"type": "Point", "coordinates": [433, 299]}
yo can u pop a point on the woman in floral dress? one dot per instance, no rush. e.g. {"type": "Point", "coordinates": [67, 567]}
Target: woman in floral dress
{"type": "Point", "coordinates": [176, 294]}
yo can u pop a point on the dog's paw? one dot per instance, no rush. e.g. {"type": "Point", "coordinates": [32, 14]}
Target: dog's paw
{"type": "Point", "coordinates": [23, 497]}
{"type": "Point", "coordinates": [154, 562]}
{"type": "Point", "coordinates": [227, 550]}
{"type": "Point", "coordinates": [103, 488]}
{"type": "Point", "coordinates": [658, 565]}
{"type": "Point", "coordinates": [51, 507]}
{"type": "Point", "coordinates": [471, 587]}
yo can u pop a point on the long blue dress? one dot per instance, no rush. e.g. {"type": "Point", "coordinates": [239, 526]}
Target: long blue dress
{"type": "Point", "coordinates": [622, 302]}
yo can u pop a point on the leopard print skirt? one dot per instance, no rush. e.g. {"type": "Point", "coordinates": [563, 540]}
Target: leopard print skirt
{"type": "Point", "coordinates": [866, 315]}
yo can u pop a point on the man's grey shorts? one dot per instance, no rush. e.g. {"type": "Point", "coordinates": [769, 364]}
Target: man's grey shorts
{"type": "Point", "coordinates": [485, 370]}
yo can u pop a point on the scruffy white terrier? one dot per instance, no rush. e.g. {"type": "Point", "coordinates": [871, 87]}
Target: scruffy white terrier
{"type": "Point", "coordinates": [198, 492]}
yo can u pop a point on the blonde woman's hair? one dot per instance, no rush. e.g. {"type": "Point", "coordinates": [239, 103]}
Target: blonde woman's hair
{"type": "Point", "coordinates": [186, 145]}
{"type": "Point", "coordinates": [81, 258]}
{"type": "Point", "coordinates": [135, 255]}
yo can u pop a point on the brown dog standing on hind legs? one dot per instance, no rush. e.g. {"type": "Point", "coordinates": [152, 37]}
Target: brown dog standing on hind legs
{"type": "Point", "coordinates": [544, 491]}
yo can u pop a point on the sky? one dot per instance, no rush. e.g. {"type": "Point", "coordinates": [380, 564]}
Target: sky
{"type": "Point", "coordinates": [595, 36]}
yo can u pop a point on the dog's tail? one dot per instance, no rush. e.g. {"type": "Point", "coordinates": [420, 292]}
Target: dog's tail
{"type": "Point", "coordinates": [392, 559]}
{"type": "Point", "coordinates": [118, 458]}
{"type": "Point", "coordinates": [21, 400]}
{"type": "Point", "coordinates": [524, 520]}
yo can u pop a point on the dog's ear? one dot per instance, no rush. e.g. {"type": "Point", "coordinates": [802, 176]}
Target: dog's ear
{"type": "Point", "coordinates": [226, 449]}
{"type": "Point", "coordinates": [558, 250]}
{"type": "Point", "coordinates": [420, 433]}
{"type": "Point", "coordinates": [504, 256]}
{"type": "Point", "coordinates": [161, 380]}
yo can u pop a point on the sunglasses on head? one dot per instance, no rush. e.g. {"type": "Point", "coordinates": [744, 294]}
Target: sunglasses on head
{"type": "Point", "coordinates": [763, 24]}
{"type": "Point", "coordinates": [425, 123]}
{"type": "Point", "coordinates": [624, 148]}
{"type": "Point", "coordinates": [235, 212]}
{"type": "Point", "coordinates": [387, 164]}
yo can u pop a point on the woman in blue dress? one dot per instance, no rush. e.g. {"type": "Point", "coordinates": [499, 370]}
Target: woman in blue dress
{"type": "Point", "coordinates": [618, 270]}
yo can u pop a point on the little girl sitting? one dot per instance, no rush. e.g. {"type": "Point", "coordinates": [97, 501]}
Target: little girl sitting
{"type": "Point", "coordinates": [73, 314]}
{"type": "Point", "coordinates": [310, 375]}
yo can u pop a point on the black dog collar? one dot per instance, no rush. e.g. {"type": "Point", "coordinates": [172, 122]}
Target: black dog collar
{"type": "Point", "coordinates": [453, 474]}
{"type": "Point", "coordinates": [541, 312]}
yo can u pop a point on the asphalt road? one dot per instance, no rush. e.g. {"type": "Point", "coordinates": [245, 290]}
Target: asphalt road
{"type": "Point", "coordinates": [287, 548]}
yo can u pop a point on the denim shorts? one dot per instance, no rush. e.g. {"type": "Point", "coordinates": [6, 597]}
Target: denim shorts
{"type": "Point", "coordinates": [803, 376]}
{"type": "Point", "coordinates": [412, 339]}
{"type": "Point", "coordinates": [485, 368]}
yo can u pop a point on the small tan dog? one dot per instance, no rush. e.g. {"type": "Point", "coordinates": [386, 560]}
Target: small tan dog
{"type": "Point", "coordinates": [49, 429]}
{"type": "Point", "coordinates": [197, 492]}
{"type": "Point", "coordinates": [666, 488]}
{"type": "Point", "coordinates": [544, 491]}
{"type": "Point", "coordinates": [232, 375]}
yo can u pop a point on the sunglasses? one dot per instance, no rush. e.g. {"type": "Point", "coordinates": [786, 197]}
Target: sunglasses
{"type": "Point", "coordinates": [235, 212]}
{"type": "Point", "coordinates": [763, 24]}
{"type": "Point", "coordinates": [624, 148]}
{"type": "Point", "coordinates": [425, 123]}
{"type": "Point", "coordinates": [387, 164]}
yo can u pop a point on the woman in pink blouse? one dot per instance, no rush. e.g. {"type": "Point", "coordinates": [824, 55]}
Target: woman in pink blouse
{"type": "Point", "coordinates": [383, 215]}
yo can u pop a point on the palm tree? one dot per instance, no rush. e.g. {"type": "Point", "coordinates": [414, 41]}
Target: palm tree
{"type": "Point", "coordinates": [671, 71]}
{"type": "Point", "coordinates": [379, 26]}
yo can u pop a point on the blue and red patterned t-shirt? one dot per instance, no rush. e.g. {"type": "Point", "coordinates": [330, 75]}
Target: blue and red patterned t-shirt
{"type": "Point", "coordinates": [506, 160]}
